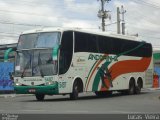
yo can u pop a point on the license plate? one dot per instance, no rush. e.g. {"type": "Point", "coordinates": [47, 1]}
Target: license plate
{"type": "Point", "coordinates": [32, 90]}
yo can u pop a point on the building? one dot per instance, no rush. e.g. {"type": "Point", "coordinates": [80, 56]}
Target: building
{"type": "Point", "coordinates": [156, 59]}
{"type": "Point", "coordinates": [7, 57]}
{"type": "Point", "coordinates": [10, 48]}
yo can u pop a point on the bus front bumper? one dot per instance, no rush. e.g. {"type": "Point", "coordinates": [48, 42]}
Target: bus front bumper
{"type": "Point", "coordinates": [47, 89]}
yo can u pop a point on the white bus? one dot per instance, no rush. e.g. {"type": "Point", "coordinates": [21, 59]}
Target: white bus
{"type": "Point", "coordinates": [72, 61]}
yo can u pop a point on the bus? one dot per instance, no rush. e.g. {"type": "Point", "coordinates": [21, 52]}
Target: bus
{"type": "Point", "coordinates": [72, 61]}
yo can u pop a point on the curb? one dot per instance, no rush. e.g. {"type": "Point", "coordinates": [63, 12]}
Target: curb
{"type": "Point", "coordinates": [153, 88]}
{"type": "Point", "coordinates": [14, 95]}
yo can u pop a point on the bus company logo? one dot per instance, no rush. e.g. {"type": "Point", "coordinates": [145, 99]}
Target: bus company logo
{"type": "Point", "coordinates": [80, 59]}
{"type": "Point", "coordinates": [102, 57]}
{"type": "Point", "coordinates": [32, 79]}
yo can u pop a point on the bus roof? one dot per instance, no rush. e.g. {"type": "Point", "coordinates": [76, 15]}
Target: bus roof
{"type": "Point", "coordinates": [127, 37]}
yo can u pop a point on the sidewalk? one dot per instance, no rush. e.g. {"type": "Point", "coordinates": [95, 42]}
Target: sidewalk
{"type": "Point", "coordinates": [14, 95]}
{"type": "Point", "coordinates": [153, 88]}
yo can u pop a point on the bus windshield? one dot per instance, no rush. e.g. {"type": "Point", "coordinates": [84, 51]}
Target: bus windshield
{"type": "Point", "coordinates": [38, 40]}
{"type": "Point", "coordinates": [36, 62]}
{"type": "Point", "coordinates": [35, 54]}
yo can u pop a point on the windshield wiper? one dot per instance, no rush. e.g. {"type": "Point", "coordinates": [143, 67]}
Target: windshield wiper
{"type": "Point", "coordinates": [26, 66]}
{"type": "Point", "coordinates": [40, 63]}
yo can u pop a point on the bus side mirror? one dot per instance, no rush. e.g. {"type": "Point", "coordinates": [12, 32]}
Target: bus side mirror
{"type": "Point", "coordinates": [59, 46]}
{"type": "Point", "coordinates": [55, 52]}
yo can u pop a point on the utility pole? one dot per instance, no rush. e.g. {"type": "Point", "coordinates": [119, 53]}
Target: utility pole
{"type": "Point", "coordinates": [123, 22]}
{"type": "Point", "coordinates": [103, 14]}
{"type": "Point", "coordinates": [118, 21]}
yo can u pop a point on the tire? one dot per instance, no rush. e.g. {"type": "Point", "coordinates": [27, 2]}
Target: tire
{"type": "Point", "coordinates": [40, 97]}
{"type": "Point", "coordinates": [74, 94]}
{"type": "Point", "coordinates": [131, 89]}
{"type": "Point", "coordinates": [103, 93]}
{"type": "Point", "coordinates": [138, 87]}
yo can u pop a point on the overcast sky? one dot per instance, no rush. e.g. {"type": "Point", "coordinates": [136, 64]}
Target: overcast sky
{"type": "Point", "coordinates": [16, 16]}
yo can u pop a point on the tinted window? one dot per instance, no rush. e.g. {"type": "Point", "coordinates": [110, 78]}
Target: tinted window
{"type": "Point", "coordinates": [85, 42]}
{"type": "Point", "coordinates": [39, 40]}
{"type": "Point", "coordinates": [66, 51]}
{"type": "Point", "coordinates": [105, 45]}
{"type": "Point", "coordinates": [27, 41]}
{"type": "Point", "coordinates": [47, 40]}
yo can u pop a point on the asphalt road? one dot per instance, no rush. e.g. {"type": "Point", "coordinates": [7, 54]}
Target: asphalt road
{"type": "Point", "coordinates": [146, 102]}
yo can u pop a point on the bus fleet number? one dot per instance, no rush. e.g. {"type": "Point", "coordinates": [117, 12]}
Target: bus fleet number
{"type": "Point", "coordinates": [62, 84]}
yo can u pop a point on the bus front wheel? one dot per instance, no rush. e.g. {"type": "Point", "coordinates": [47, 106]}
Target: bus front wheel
{"type": "Point", "coordinates": [74, 94]}
{"type": "Point", "coordinates": [40, 97]}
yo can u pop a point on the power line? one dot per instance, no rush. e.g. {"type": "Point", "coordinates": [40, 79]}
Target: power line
{"type": "Point", "coordinates": [146, 4]}
{"type": "Point", "coordinates": [144, 29]}
{"type": "Point", "coordinates": [8, 36]}
{"type": "Point", "coordinates": [149, 36]}
{"type": "Point", "coordinates": [56, 5]}
{"type": "Point", "coordinates": [149, 4]}
{"type": "Point", "coordinates": [142, 14]}
{"type": "Point", "coordinates": [26, 13]}
{"type": "Point", "coordinates": [25, 24]}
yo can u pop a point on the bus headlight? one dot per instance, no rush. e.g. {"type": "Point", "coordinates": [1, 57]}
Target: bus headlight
{"type": "Point", "coordinates": [50, 82]}
{"type": "Point", "coordinates": [17, 84]}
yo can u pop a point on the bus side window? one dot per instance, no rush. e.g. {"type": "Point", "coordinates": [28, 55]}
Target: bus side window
{"type": "Point", "coordinates": [66, 51]}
